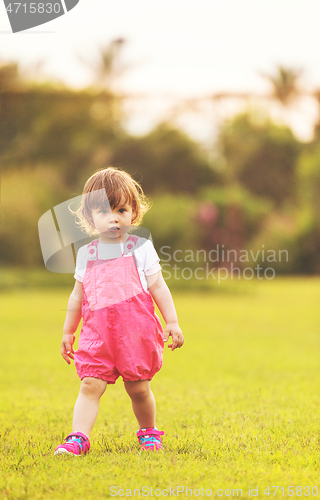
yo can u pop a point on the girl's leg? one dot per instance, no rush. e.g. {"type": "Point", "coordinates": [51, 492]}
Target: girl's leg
{"type": "Point", "coordinates": [143, 402]}
{"type": "Point", "coordinates": [87, 405]}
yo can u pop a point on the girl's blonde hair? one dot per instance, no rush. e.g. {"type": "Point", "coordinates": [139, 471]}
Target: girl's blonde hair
{"type": "Point", "coordinates": [106, 187]}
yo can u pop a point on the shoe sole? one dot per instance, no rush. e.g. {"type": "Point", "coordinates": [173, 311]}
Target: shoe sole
{"type": "Point", "coordinates": [150, 448]}
{"type": "Point", "coordinates": [63, 451]}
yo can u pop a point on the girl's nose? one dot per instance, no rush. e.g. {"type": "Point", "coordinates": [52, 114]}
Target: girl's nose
{"type": "Point", "coordinates": [114, 218]}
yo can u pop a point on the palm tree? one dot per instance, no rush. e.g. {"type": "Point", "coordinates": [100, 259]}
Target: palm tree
{"type": "Point", "coordinates": [285, 84]}
{"type": "Point", "coordinates": [108, 68]}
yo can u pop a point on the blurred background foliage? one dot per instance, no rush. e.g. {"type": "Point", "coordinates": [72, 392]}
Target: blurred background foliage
{"type": "Point", "coordinates": [256, 186]}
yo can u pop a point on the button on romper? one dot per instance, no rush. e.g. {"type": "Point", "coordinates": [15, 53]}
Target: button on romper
{"type": "Point", "coordinates": [121, 334]}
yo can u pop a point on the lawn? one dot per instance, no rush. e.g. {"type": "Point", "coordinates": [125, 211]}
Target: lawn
{"type": "Point", "coordinates": [239, 403]}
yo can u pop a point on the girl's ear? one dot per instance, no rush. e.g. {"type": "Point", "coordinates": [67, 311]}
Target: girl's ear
{"type": "Point", "coordinates": [134, 216]}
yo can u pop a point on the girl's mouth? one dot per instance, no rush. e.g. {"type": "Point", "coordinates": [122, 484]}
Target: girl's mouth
{"type": "Point", "coordinates": [114, 229]}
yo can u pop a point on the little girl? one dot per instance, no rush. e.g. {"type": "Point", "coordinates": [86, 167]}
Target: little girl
{"type": "Point", "coordinates": [116, 276]}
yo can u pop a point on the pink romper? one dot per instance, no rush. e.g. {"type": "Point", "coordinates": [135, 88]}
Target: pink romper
{"type": "Point", "coordinates": [121, 334]}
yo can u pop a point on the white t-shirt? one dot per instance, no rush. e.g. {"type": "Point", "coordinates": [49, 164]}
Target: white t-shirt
{"type": "Point", "coordinates": [146, 257]}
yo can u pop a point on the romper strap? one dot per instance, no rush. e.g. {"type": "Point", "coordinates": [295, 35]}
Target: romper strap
{"type": "Point", "coordinates": [129, 245]}
{"type": "Point", "coordinates": [128, 278]}
{"type": "Point", "coordinates": [92, 250]}
{"type": "Point", "coordinates": [92, 255]}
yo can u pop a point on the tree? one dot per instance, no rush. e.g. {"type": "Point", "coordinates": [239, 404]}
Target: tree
{"type": "Point", "coordinates": [261, 156]}
{"type": "Point", "coordinates": [108, 67]}
{"type": "Point", "coordinates": [285, 84]}
{"type": "Point", "coordinates": [71, 130]}
{"type": "Point", "coordinates": [165, 160]}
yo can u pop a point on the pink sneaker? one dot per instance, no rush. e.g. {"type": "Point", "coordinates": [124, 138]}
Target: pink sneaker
{"type": "Point", "coordinates": [149, 439]}
{"type": "Point", "coordinates": [76, 443]}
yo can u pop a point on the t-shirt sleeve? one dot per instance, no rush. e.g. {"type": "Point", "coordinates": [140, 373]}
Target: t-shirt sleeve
{"type": "Point", "coordinates": [153, 269]}
{"type": "Point", "coordinates": [81, 263]}
{"type": "Point", "coordinates": [148, 258]}
{"type": "Point", "coordinates": [151, 258]}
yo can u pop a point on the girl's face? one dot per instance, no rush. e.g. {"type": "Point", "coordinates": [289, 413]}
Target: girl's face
{"type": "Point", "coordinates": [112, 223]}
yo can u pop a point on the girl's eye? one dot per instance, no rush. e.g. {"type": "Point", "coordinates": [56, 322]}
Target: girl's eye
{"type": "Point", "coordinates": [122, 210]}
{"type": "Point", "coordinates": [104, 212]}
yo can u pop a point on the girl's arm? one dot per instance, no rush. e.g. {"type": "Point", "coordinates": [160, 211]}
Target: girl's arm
{"type": "Point", "coordinates": [71, 323]}
{"type": "Point", "coordinates": [162, 297]}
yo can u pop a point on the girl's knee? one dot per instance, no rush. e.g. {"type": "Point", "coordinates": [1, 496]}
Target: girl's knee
{"type": "Point", "coordinates": [93, 386]}
{"type": "Point", "coordinates": [138, 390]}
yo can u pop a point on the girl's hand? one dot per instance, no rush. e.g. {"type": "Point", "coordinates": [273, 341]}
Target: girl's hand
{"type": "Point", "coordinates": [173, 330]}
{"type": "Point", "coordinates": [67, 351]}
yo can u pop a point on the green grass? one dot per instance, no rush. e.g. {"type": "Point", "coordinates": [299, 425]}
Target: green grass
{"type": "Point", "coordinates": [239, 403]}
